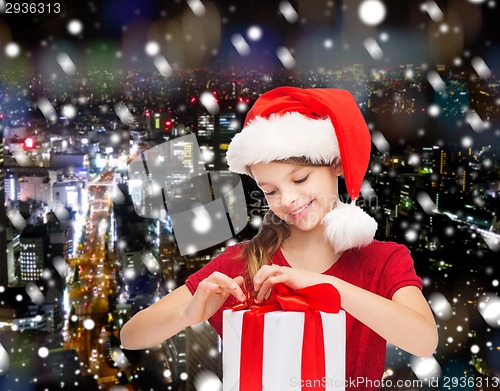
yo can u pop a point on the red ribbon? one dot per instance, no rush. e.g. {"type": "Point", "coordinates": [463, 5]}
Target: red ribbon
{"type": "Point", "coordinates": [310, 300]}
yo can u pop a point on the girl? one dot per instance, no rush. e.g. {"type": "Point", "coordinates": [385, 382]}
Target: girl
{"type": "Point", "coordinates": [295, 144]}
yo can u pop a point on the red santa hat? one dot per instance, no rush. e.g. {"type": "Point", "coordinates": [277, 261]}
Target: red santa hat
{"type": "Point", "coordinates": [320, 124]}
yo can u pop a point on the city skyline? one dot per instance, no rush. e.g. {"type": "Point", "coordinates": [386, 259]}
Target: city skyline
{"type": "Point", "coordinates": [433, 199]}
{"type": "Point", "coordinates": [410, 105]}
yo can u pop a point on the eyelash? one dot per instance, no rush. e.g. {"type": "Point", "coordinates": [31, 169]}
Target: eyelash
{"type": "Point", "coordinates": [302, 180]}
{"type": "Point", "coordinates": [298, 181]}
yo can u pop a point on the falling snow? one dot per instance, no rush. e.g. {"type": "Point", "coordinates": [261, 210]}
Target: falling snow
{"type": "Point", "coordinates": [436, 81]}
{"type": "Point", "coordinates": [208, 100]}
{"type": "Point", "coordinates": [43, 352]}
{"type": "Point", "coordinates": [124, 113]}
{"type": "Point", "coordinates": [69, 111]}
{"type": "Point", "coordinates": [372, 12]}
{"type": "Point", "coordinates": [240, 44]}
{"type": "Point", "coordinates": [434, 110]}
{"type": "Point", "coordinates": [426, 202]}
{"type": "Point", "coordinates": [207, 381]}
{"type": "Point", "coordinates": [373, 49]}
{"type": "Point", "coordinates": [425, 368]}
{"type": "Point", "coordinates": [433, 10]}
{"type": "Point", "coordinates": [444, 93]}
{"type": "Point", "coordinates": [162, 65]}
{"type": "Point", "coordinates": [197, 7]}
{"type": "Point", "coordinates": [12, 50]}
{"type": "Point", "coordinates": [380, 142]}
{"type": "Point", "coordinates": [152, 48]}
{"type": "Point", "coordinates": [288, 11]}
{"type": "Point", "coordinates": [254, 33]}
{"type": "Point", "coordinates": [75, 27]}
{"type": "Point", "coordinates": [66, 63]}
{"type": "Point", "coordinates": [47, 109]}
{"type": "Point", "coordinates": [286, 57]}
{"type": "Point", "coordinates": [88, 324]}
{"type": "Point", "coordinates": [475, 121]}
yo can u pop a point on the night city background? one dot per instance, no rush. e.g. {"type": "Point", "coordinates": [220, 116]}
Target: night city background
{"type": "Point", "coordinates": [87, 86]}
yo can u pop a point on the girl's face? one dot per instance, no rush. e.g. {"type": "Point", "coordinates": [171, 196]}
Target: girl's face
{"type": "Point", "coordinates": [299, 195]}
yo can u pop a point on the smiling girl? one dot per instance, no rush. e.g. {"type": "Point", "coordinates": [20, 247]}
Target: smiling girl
{"type": "Point", "coordinates": [295, 144]}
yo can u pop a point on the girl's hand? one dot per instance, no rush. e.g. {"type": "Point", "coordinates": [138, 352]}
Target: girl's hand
{"type": "Point", "coordinates": [211, 293]}
{"type": "Point", "coordinates": [270, 275]}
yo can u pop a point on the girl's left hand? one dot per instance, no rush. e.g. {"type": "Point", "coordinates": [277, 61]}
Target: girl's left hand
{"type": "Point", "coordinates": [270, 275]}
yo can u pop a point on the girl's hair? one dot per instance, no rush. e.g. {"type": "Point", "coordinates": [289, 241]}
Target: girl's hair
{"type": "Point", "coordinates": [272, 232]}
{"type": "Point", "coordinates": [261, 247]}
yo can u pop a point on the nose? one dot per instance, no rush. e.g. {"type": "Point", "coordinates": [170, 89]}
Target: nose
{"type": "Point", "coordinates": [289, 199]}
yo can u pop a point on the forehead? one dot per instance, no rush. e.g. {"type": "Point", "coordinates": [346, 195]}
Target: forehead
{"type": "Point", "coordinates": [267, 172]}
{"type": "Point", "coordinates": [274, 167]}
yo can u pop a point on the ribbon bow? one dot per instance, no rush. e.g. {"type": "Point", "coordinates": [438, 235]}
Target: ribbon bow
{"type": "Point", "coordinates": [310, 300]}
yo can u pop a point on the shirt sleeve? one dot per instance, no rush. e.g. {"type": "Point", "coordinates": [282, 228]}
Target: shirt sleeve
{"type": "Point", "coordinates": [226, 263]}
{"type": "Point", "coordinates": [399, 271]}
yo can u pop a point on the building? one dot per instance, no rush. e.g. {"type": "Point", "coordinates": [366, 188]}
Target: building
{"type": "Point", "coordinates": [34, 242]}
{"type": "Point", "coordinates": [47, 188]}
{"type": "Point", "coordinates": [12, 187]}
{"type": "Point", "coordinates": [206, 127]}
{"type": "Point", "coordinates": [69, 194]}
{"type": "Point", "coordinates": [35, 188]}
{"type": "Point", "coordinates": [159, 121]}
{"type": "Point", "coordinates": [131, 233]}
{"type": "Point", "coordinates": [215, 131]}
{"type": "Point", "coordinates": [203, 352]}
{"type": "Point", "coordinates": [12, 254]}
{"type": "Point", "coordinates": [61, 234]}
{"type": "Point", "coordinates": [71, 164]}
{"type": "Point", "coordinates": [4, 273]}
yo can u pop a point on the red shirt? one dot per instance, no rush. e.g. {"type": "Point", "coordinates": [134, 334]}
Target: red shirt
{"type": "Point", "coordinates": [381, 268]}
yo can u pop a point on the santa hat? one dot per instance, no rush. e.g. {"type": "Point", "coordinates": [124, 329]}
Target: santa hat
{"type": "Point", "coordinates": [320, 124]}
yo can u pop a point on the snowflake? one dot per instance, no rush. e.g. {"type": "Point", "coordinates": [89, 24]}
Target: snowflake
{"type": "Point", "coordinates": [12, 50]}
{"type": "Point", "coordinates": [372, 12]}
{"type": "Point", "coordinates": [75, 27]}
{"type": "Point", "coordinates": [254, 33]}
{"type": "Point", "coordinates": [288, 12]}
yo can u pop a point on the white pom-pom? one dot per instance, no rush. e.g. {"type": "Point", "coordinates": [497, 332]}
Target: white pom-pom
{"type": "Point", "coordinates": [348, 226]}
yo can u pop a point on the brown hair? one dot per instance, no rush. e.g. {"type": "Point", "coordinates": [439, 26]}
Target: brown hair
{"type": "Point", "coordinates": [272, 232]}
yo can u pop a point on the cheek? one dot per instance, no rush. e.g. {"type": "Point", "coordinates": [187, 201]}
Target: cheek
{"type": "Point", "coordinates": [327, 196]}
{"type": "Point", "coordinates": [273, 205]}
{"type": "Point", "coordinates": [331, 188]}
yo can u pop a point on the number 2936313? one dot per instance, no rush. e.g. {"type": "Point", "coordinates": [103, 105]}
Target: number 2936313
{"type": "Point", "coordinates": [30, 8]}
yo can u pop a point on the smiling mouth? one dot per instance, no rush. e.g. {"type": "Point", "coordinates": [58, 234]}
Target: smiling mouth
{"type": "Point", "coordinates": [301, 209]}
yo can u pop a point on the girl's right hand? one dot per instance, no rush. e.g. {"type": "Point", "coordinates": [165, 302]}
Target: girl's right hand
{"type": "Point", "coordinates": [211, 293]}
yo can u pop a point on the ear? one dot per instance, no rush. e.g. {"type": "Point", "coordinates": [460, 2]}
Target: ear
{"type": "Point", "coordinates": [336, 167]}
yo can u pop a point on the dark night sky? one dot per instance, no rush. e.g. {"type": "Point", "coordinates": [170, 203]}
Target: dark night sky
{"type": "Point", "coordinates": [411, 31]}
{"type": "Point", "coordinates": [112, 14]}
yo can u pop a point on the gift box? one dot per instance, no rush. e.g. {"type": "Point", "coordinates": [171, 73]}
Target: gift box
{"type": "Point", "coordinates": [272, 348]}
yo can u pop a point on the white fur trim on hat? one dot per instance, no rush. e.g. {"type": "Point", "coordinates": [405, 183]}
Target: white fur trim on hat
{"type": "Point", "coordinates": [348, 226]}
{"type": "Point", "coordinates": [280, 137]}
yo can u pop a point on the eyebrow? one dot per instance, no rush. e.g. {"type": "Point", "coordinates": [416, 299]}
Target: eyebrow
{"type": "Point", "coordinates": [290, 173]}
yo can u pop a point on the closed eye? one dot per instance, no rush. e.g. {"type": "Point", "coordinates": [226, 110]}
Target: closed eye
{"type": "Point", "coordinates": [302, 180]}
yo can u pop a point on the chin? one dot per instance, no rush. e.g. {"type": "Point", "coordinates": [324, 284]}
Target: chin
{"type": "Point", "coordinates": [306, 226]}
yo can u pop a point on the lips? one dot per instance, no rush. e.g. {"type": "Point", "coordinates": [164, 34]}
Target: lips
{"type": "Point", "coordinates": [299, 212]}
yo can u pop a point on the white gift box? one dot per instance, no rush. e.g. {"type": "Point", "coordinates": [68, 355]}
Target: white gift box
{"type": "Point", "coordinates": [282, 358]}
